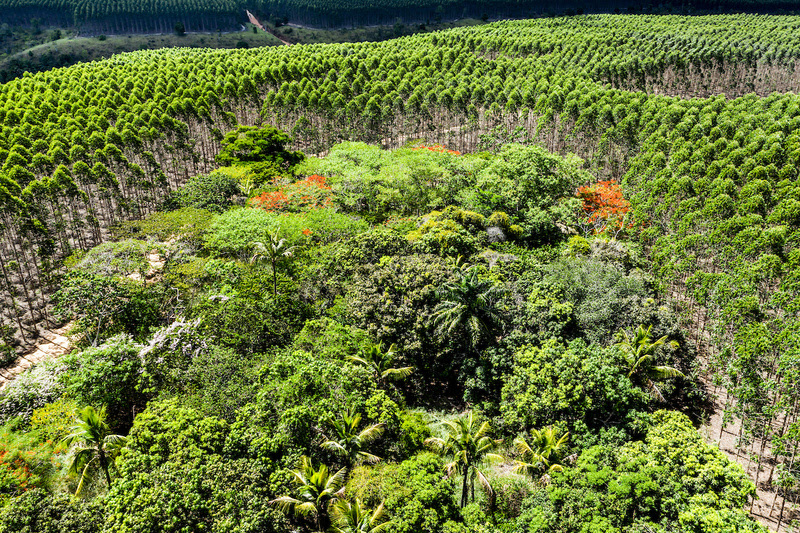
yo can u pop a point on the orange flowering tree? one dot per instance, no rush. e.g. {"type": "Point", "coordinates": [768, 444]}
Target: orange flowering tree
{"type": "Point", "coordinates": [310, 193]}
{"type": "Point", "coordinates": [436, 148]}
{"type": "Point", "coordinates": [604, 209]}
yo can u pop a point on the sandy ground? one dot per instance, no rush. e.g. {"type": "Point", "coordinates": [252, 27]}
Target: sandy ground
{"type": "Point", "coordinates": [767, 506]}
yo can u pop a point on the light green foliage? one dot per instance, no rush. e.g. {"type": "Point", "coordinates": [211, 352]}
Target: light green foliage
{"type": "Point", "coordinates": [533, 187]}
{"type": "Point", "coordinates": [417, 497]}
{"type": "Point", "coordinates": [186, 225]}
{"type": "Point", "coordinates": [213, 192]}
{"type": "Point", "coordinates": [377, 183]}
{"type": "Point", "coordinates": [54, 420]}
{"type": "Point", "coordinates": [439, 233]}
{"type": "Point", "coordinates": [251, 144]}
{"type": "Point", "coordinates": [108, 375]}
{"type": "Point", "coordinates": [234, 231]}
{"type": "Point", "coordinates": [580, 387]}
{"type": "Point", "coordinates": [329, 339]}
{"type": "Point", "coordinates": [672, 478]}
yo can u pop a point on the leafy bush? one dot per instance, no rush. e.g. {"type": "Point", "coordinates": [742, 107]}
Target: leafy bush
{"type": "Point", "coordinates": [581, 387]}
{"type": "Point", "coordinates": [673, 479]}
{"type": "Point", "coordinates": [533, 187]}
{"type": "Point", "coordinates": [107, 375]}
{"type": "Point", "coordinates": [175, 464]}
{"type": "Point", "coordinates": [31, 390]}
{"type": "Point", "coordinates": [416, 494]}
{"type": "Point", "coordinates": [26, 461]}
{"type": "Point", "coordinates": [248, 144]}
{"type": "Point", "coordinates": [186, 225]}
{"type": "Point", "coordinates": [213, 192]}
{"type": "Point", "coordinates": [54, 421]}
{"type": "Point", "coordinates": [39, 511]}
{"type": "Point", "coordinates": [604, 298]}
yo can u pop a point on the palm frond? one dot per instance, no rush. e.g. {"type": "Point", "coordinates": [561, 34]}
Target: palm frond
{"type": "Point", "coordinates": [664, 372]}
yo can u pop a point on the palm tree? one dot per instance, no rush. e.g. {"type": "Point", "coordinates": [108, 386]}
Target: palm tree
{"type": "Point", "coordinates": [469, 304]}
{"type": "Point", "coordinates": [349, 442]}
{"type": "Point", "coordinates": [468, 446]}
{"type": "Point", "coordinates": [539, 458]}
{"type": "Point", "coordinates": [355, 518]}
{"type": "Point", "coordinates": [316, 489]}
{"type": "Point", "coordinates": [639, 352]}
{"type": "Point", "coordinates": [273, 251]}
{"type": "Point", "coordinates": [380, 363]}
{"type": "Point", "coordinates": [92, 443]}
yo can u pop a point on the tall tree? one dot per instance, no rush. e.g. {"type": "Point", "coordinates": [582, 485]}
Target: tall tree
{"type": "Point", "coordinates": [639, 352]}
{"type": "Point", "coordinates": [350, 443]}
{"type": "Point", "coordinates": [468, 305]}
{"type": "Point", "coordinates": [468, 446]}
{"type": "Point", "coordinates": [275, 250]}
{"type": "Point", "coordinates": [92, 444]}
{"type": "Point", "coordinates": [315, 489]}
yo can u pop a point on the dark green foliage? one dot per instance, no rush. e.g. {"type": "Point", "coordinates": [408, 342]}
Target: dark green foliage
{"type": "Point", "coordinates": [95, 302]}
{"type": "Point", "coordinates": [395, 302]}
{"type": "Point", "coordinates": [37, 511]}
{"type": "Point", "coordinates": [604, 297]}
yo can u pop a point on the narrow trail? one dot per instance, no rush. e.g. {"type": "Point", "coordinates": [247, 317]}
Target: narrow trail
{"type": "Point", "coordinates": [51, 345]}
{"type": "Point", "coordinates": [255, 22]}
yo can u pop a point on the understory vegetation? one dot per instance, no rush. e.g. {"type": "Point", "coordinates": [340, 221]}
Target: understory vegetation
{"type": "Point", "coordinates": [409, 340]}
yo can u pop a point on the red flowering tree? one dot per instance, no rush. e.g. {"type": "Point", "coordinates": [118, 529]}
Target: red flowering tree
{"type": "Point", "coordinates": [309, 193]}
{"type": "Point", "coordinates": [604, 209]}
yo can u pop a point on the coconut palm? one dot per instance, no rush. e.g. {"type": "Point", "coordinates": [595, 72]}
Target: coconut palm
{"type": "Point", "coordinates": [639, 351]}
{"type": "Point", "coordinates": [315, 490]}
{"type": "Point", "coordinates": [380, 363]}
{"type": "Point", "coordinates": [540, 457]}
{"type": "Point", "coordinates": [92, 444]}
{"type": "Point", "coordinates": [350, 443]}
{"type": "Point", "coordinates": [273, 252]}
{"type": "Point", "coordinates": [468, 447]}
{"type": "Point", "coordinates": [355, 518]}
{"type": "Point", "coordinates": [467, 304]}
